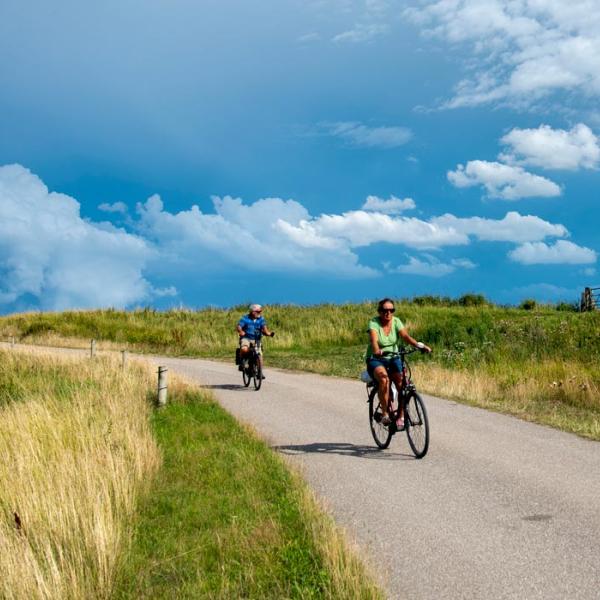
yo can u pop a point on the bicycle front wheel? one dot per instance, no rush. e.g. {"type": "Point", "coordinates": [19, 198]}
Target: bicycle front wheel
{"type": "Point", "coordinates": [417, 425]}
{"type": "Point", "coordinates": [257, 375]}
{"type": "Point", "coordinates": [246, 375]}
{"type": "Point", "coordinates": [382, 434]}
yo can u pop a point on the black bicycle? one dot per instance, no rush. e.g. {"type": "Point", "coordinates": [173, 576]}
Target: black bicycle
{"type": "Point", "coordinates": [415, 423]}
{"type": "Point", "coordinates": [251, 367]}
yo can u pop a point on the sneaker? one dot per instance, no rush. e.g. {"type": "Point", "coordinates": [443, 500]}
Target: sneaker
{"type": "Point", "coordinates": [400, 424]}
{"type": "Point", "coordinates": [385, 420]}
{"type": "Point", "coordinates": [262, 376]}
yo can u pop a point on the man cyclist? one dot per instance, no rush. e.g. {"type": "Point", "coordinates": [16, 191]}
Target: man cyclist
{"type": "Point", "coordinates": [385, 330]}
{"type": "Point", "coordinates": [250, 328]}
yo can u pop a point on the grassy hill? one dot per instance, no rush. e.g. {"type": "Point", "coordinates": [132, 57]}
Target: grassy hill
{"type": "Point", "coordinates": [540, 363]}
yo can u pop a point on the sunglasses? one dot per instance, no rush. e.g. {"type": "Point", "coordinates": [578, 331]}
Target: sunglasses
{"type": "Point", "coordinates": [386, 310]}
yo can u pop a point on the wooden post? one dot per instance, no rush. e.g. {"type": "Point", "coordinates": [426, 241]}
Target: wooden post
{"type": "Point", "coordinates": [92, 348]}
{"type": "Point", "coordinates": [12, 341]}
{"type": "Point", "coordinates": [123, 358]}
{"type": "Point", "coordinates": [162, 386]}
{"type": "Point", "coordinates": [587, 299]}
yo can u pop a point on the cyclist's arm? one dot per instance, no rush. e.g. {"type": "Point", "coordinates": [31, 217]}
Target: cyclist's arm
{"type": "Point", "coordinates": [374, 342]}
{"type": "Point", "coordinates": [240, 331]}
{"type": "Point", "coordinates": [266, 331]}
{"type": "Point", "coordinates": [411, 340]}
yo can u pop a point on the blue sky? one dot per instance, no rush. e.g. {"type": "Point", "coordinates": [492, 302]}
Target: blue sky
{"type": "Point", "coordinates": [190, 153]}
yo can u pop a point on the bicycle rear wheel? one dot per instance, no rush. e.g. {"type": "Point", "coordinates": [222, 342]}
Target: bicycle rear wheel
{"type": "Point", "coordinates": [382, 434]}
{"type": "Point", "coordinates": [257, 375]}
{"type": "Point", "coordinates": [417, 425]}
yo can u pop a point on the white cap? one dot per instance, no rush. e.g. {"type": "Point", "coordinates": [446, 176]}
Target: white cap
{"type": "Point", "coordinates": [255, 307]}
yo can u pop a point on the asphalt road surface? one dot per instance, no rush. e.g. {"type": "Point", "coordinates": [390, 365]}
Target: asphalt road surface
{"type": "Point", "coordinates": [498, 508]}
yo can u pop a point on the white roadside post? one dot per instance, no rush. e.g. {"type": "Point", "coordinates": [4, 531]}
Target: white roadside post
{"type": "Point", "coordinates": [162, 386]}
{"type": "Point", "coordinates": [92, 348]}
{"type": "Point", "coordinates": [123, 358]}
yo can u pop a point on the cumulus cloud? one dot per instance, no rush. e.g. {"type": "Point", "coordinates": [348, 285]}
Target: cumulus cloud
{"type": "Point", "coordinates": [430, 266]}
{"type": "Point", "coordinates": [552, 148]}
{"type": "Point", "coordinates": [265, 236]}
{"type": "Point", "coordinates": [359, 135]}
{"type": "Point", "coordinates": [524, 50]}
{"type": "Point", "coordinates": [514, 227]}
{"type": "Point", "coordinates": [391, 206]}
{"type": "Point", "coordinates": [506, 182]}
{"type": "Point", "coordinates": [53, 259]}
{"type": "Point", "coordinates": [561, 252]}
{"type": "Point", "coordinates": [360, 228]}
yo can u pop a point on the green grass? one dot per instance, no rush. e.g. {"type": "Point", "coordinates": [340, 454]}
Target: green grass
{"type": "Point", "coordinates": [226, 519]}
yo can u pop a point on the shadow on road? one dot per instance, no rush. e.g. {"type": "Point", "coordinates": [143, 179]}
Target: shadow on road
{"type": "Point", "coordinates": [344, 449]}
{"type": "Point", "coordinates": [236, 387]}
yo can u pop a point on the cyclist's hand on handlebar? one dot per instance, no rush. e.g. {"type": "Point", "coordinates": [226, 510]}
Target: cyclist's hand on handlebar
{"type": "Point", "coordinates": [272, 334]}
{"type": "Point", "coordinates": [423, 348]}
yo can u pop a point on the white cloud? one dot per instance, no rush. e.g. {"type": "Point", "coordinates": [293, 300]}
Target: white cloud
{"type": "Point", "coordinates": [552, 148]}
{"type": "Point", "coordinates": [53, 259]}
{"type": "Point", "coordinates": [115, 207]}
{"type": "Point", "coordinates": [362, 32]}
{"type": "Point", "coordinates": [265, 236]}
{"type": "Point", "coordinates": [390, 207]}
{"type": "Point", "coordinates": [562, 252]}
{"type": "Point", "coordinates": [309, 37]}
{"type": "Point", "coordinates": [514, 227]}
{"type": "Point", "coordinates": [502, 181]}
{"type": "Point", "coordinates": [360, 228]}
{"type": "Point", "coordinates": [524, 49]}
{"type": "Point", "coordinates": [430, 266]}
{"type": "Point", "coordinates": [359, 135]}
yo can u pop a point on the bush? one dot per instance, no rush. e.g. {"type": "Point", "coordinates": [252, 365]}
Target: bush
{"type": "Point", "coordinates": [528, 304]}
{"type": "Point", "coordinates": [472, 300]}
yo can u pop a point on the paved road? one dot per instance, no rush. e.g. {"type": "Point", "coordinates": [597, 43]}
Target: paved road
{"type": "Point", "coordinates": [498, 508]}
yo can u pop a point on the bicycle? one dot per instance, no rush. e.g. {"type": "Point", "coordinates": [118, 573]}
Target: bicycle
{"type": "Point", "coordinates": [252, 370]}
{"type": "Point", "coordinates": [416, 423]}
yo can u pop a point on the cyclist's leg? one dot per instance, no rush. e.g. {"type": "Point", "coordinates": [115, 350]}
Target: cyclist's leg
{"type": "Point", "coordinates": [380, 375]}
{"type": "Point", "coordinates": [397, 378]}
{"type": "Point", "coordinates": [244, 347]}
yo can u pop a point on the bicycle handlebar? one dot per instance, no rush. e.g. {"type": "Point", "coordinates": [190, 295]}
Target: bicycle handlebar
{"type": "Point", "coordinates": [401, 352]}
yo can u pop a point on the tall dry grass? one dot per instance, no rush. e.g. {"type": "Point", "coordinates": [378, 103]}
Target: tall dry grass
{"type": "Point", "coordinates": [562, 394]}
{"type": "Point", "coordinates": [73, 465]}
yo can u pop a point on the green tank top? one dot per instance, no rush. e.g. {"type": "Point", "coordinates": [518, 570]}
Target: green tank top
{"type": "Point", "coordinates": [387, 343]}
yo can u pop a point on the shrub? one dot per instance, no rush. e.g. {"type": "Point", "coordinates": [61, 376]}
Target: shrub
{"type": "Point", "coordinates": [528, 304]}
{"type": "Point", "coordinates": [472, 300]}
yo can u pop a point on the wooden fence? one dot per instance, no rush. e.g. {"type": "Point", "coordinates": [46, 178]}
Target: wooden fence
{"type": "Point", "coordinates": [590, 299]}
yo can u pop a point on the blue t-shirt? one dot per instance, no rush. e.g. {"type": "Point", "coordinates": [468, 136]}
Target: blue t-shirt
{"type": "Point", "coordinates": [252, 327]}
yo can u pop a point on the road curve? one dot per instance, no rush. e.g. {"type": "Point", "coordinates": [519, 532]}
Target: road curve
{"type": "Point", "coordinates": [499, 508]}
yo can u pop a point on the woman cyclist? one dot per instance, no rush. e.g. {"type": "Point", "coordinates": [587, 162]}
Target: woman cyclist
{"type": "Point", "coordinates": [384, 333]}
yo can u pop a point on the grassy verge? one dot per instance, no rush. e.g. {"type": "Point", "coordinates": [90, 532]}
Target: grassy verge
{"type": "Point", "coordinates": [89, 509]}
{"type": "Point", "coordinates": [226, 519]}
{"type": "Point", "coordinates": [77, 453]}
